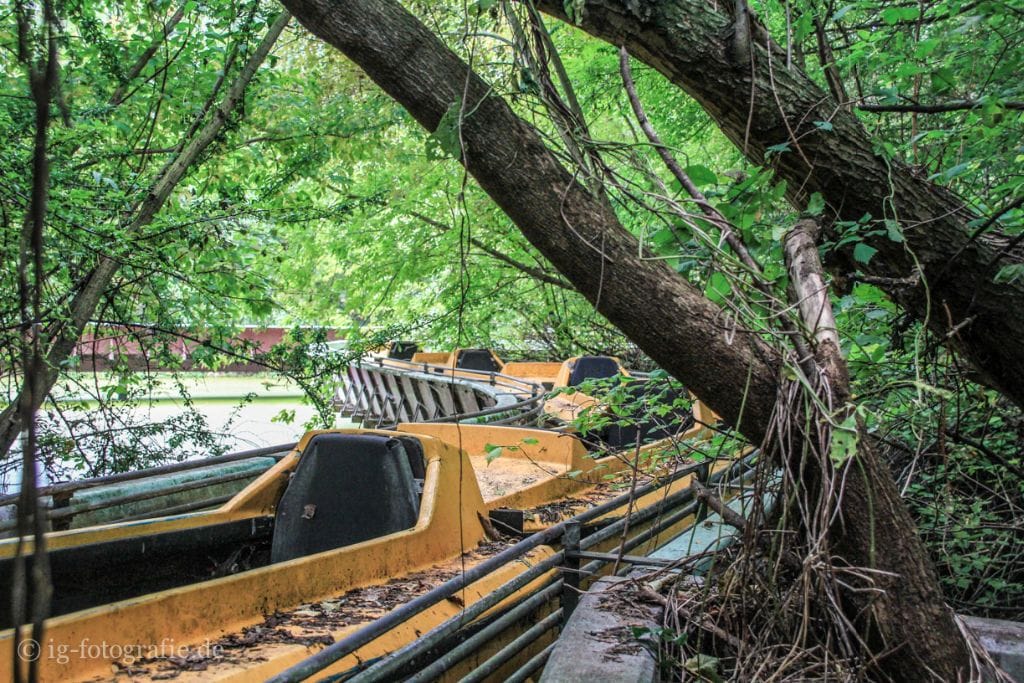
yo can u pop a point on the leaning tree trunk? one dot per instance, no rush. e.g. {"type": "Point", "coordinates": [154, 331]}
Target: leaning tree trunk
{"type": "Point", "coordinates": [645, 298]}
{"type": "Point", "coordinates": [759, 103]}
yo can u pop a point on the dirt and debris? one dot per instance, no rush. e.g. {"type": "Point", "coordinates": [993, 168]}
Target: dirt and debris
{"type": "Point", "coordinates": [309, 624]}
{"type": "Point", "coordinates": [555, 512]}
{"type": "Point", "coordinates": [625, 642]}
{"type": "Point", "coordinates": [503, 476]}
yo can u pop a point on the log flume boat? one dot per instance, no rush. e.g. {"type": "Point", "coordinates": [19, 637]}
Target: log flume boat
{"type": "Point", "coordinates": [352, 524]}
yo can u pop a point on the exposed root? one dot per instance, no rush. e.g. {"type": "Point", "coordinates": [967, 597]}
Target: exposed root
{"type": "Point", "coordinates": [778, 606]}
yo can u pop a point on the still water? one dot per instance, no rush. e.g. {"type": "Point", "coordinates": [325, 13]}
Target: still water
{"type": "Point", "coordinates": [218, 398]}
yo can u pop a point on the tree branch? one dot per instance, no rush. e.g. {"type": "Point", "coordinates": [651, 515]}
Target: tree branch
{"type": "Point", "coordinates": [828, 63]}
{"type": "Point", "coordinates": [147, 55]}
{"type": "Point", "coordinates": [807, 280]}
{"type": "Point", "coordinates": [535, 273]}
{"type": "Point", "coordinates": [915, 108]}
{"type": "Point", "coordinates": [85, 301]}
{"type": "Point", "coordinates": [729, 232]}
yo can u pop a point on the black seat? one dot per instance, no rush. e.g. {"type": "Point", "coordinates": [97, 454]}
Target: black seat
{"type": "Point", "coordinates": [476, 359]}
{"type": "Point", "coordinates": [346, 488]}
{"type": "Point", "coordinates": [402, 350]}
{"type": "Point", "coordinates": [417, 463]}
{"type": "Point", "coordinates": [592, 367]}
{"type": "Point", "coordinates": [643, 426]}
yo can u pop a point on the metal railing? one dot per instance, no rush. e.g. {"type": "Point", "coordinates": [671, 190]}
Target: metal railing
{"type": "Point", "coordinates": [456, 639]}
{"type": "Point", "coordinates": [382, 392]}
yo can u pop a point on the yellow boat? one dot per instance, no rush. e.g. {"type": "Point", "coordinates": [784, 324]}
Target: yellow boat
{"type": "Point", "coordinates": [303, 555]}
{"type": "Point", "coordinates": [346, 510]}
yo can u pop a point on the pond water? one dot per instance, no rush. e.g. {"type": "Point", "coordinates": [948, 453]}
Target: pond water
{"type": "Point", "coordinates": [218, 398]}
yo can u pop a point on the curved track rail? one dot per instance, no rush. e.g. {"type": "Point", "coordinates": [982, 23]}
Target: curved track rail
{"type": "Point", "coordinates": [382, 392]}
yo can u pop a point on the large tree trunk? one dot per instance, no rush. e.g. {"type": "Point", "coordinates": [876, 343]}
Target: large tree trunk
{"type": "Point", "coordinates": [669, 318]}
{"type": "Point", "coordinates": [645, 298]}
{"type": "Point", "coordinates": [691, 43]}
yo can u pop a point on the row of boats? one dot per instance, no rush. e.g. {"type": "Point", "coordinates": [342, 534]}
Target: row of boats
{"type": "Point", "coordinates": [344, 527]}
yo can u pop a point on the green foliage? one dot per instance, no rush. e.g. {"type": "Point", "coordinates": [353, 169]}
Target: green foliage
{"type": "Point", "coordinates": [323, 204]}
{"type": "Point", "coordinates": [844, 441]}
{"type": "Point", "coordinates": [968, 507]}
{"type": "Point", "coordinates": [624, 402]}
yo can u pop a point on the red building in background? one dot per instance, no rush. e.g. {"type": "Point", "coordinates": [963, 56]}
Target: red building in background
{"type": "Point", "coordinates": [102, 347]}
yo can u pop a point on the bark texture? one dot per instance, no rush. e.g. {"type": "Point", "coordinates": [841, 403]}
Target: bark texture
{"type": "Point", "coordinates": [761, 103]}
{"type": "Point", "coordinates": [900, 610]}
{"type": "Point", "coordinates": [647, 300]}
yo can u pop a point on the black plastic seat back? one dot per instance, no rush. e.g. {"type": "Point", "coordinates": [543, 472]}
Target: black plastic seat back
{"type": "Point", "coordinates": [592, 367]}
{"type": "Point", "coordinates": [414, 451]}
{"type": "Point", "coordinates": [645, 427]}
{"type": "Point", "coordinates": [346, 488]}
{"type": "Point", "coordinates": [403, 350]}
{"type": "Point", "coordinates": [477, 359]}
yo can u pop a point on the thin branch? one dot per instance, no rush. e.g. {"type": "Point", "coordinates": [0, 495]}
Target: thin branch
{"type": "Point", "coordinates": [728, 515]}
{"type": "Point", "coordinates": [84, 304]}
{"type": "Point", "coordinates": [31, 587]}
{"type": "Point", "coordinates": [828, 63]}
{"type": "Point", "coordinates": [535, 273]}
{"type": "Point", "coordinates": [1009, 206]}
{"type": "Point", "coordinates": [915, 108]}
{"type": "Point", "coordinates": [728, 233]}
{"type": "Point", "coordinates": [147, 55]}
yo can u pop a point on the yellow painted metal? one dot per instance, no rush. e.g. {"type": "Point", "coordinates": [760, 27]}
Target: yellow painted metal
{"type": "Point", "coordinates": [548, 457]}
{"type": "Point", "coordinates": [262, 660]}
{"type": "Point", "coordinates": [535, 463]}
{"type": "Point", "coordinates": [449, 359]}
{"type": "Point", "coordinates": [703, 415]}
{"type": "Point", "coordinates": [430, 358]}
{"type": "Point", "coordinates": [449, 524]}
{"type": "Point", "coordinates": [540, 373]}
{"type": "Point", "coordinates": [258, 498]}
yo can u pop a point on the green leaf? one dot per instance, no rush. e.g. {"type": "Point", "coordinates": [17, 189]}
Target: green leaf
{"type": "Point", "coordinates": [803, 27]}
{"type": "Point", "coordinates": [926, 47]}
{"type": "Point", "coordinates": [816, 204]}
{"type": "Point", "coordinates": [863, 252]}
{"type": "Point", "coordinates": [285, 416]}
{"type": "Point", "coordinates": [844, 441]}
{"type": "Point", "coordinates": [942, 80]}
{"type": "Point", "coordinates": [891, 15]}
{"type": "Point", "coordinates": [493, 452]}
{"type": "Point", "coordinates": [718, 287]}
{"type": "Point", "coordinates": [701, 175]}
{"type": "Point", "coordinates": [893, 230]}
{"type": "Point", "coordinates": [531, 442]}
{"type": "Point", "coordinates": [824, 125]}
{"type": "Point", "coordinates": [704, 668]}
{"type": "Point", "coordinates": [1009, 274]}
{"type": "Point", "coordinates": [894, 15]}
{"type": "Point", "coordinates": [446, 137]}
